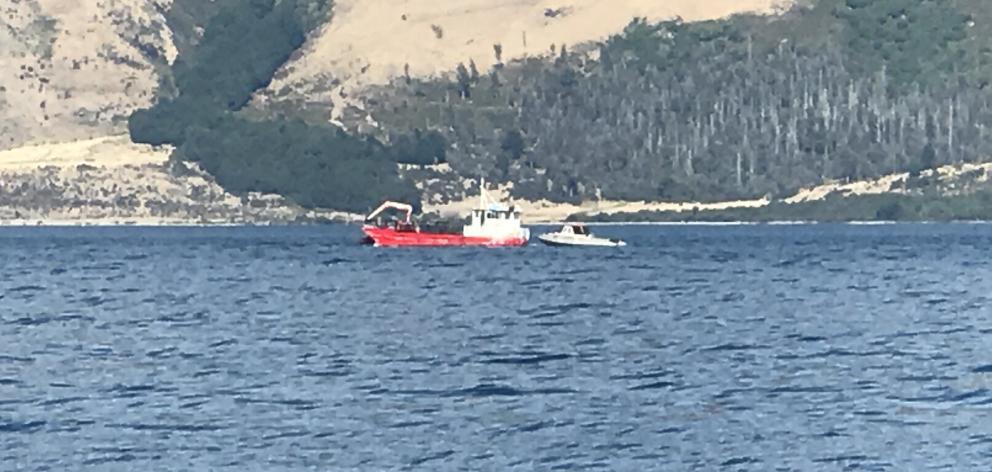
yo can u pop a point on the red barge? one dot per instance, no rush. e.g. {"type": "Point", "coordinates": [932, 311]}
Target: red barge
{"type": "Point", "coordinates": [492, 224]}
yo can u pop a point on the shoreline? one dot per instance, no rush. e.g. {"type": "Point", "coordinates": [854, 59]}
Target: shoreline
{"type": "Point", "coordinates": [20, 224]}
{"type": "Point", "coordinates": [144, 222]}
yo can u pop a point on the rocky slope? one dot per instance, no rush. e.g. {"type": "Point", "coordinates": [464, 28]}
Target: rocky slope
{"type": "Point", "coordinates": [112, 181]}
{"type": "Point", "coordinates": [73, 69]}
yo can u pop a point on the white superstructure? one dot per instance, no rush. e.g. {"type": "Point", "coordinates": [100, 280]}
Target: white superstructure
{"type": "Point", "coordinates": [492, 219]}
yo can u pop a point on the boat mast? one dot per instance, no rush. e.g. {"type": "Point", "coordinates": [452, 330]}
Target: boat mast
{"type": "Point", "coordinates": [482, 193]}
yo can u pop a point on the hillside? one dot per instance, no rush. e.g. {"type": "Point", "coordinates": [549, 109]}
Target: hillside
{"type": "Point", "coordinates": [371, 42]}
{"type": "Point", "coordinates": [746, 108]}
{"type": "Point", "coordinates": [215, 118]}
{"type": "Point", "coordinates": [577, 105]}
{"type": "Point", "coordinates": [77, 69]}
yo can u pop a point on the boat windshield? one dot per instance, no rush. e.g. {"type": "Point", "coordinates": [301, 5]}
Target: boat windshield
{"type": "Point", "coordinates": [403, 227]}
{"type": "Point", "coordinates": [579, 229]}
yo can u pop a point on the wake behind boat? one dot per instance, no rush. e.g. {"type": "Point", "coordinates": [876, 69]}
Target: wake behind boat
{"type": "Point", "coordinates": [492, 224]}
{"type": "Point", "coordinates": [574, 234]}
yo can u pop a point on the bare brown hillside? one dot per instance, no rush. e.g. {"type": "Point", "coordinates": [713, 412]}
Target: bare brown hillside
{"type": "Point", "coordinates": [72, 69]}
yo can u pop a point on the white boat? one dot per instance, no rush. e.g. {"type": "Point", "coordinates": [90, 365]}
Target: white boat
{"type": "Point", "coordinates": [574, 234]}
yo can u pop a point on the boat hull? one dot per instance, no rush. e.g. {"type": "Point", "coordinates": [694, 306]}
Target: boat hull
{"type": "Point", "coordinates": [389, 237]}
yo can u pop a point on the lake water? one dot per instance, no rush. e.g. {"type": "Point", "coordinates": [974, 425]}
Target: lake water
{"type": "Point", "coordinates": [825, 347]}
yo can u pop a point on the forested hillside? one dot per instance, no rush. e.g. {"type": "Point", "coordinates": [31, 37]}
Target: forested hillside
{"type": "Point", "coordinates": [748, 106]}
{"type": "Point", "coordinates": [744, 107]}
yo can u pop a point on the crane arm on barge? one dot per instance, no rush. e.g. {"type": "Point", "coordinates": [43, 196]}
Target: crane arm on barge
{"type": "Point", "coordinates": [394, 205]}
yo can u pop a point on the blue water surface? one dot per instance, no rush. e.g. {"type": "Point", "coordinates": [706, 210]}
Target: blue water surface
{"type": "Point", "coordinates": [757, 348]}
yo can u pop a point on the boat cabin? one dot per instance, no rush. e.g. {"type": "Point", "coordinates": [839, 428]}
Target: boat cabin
{"type": "Point", "coordinates": [397, 225]}
{"type": "Point", "coordinates": [494, 214]}
{"type": "Point", "coordinates": [404, 227]}
{"type": "Point", "coordinates": [493, 220]}
{"type": "Point", "coordinates": [576, 229]}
